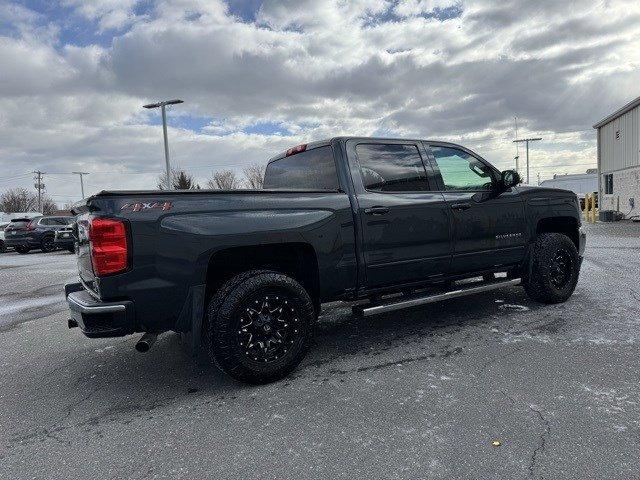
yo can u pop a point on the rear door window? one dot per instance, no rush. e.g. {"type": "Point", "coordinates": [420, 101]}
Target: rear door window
{"type": "Point", "coordinates": [392, 168]}
{"type": "Point", "coordinates": [312, 169]}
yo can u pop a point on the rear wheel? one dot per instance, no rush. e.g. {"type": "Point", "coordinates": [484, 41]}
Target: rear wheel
{"type": "Point", "coordinates": [554, 268]}
{"type": "Point", "coordinates": [22, 250]}
{"type": "Point", "coordinates": [260, 326]}
{"type": "Point", "coordinates": [3, 247]}
{"type": "Point", "coordinates": [47, 245]}
{"type": "Point", "coordinates": [71, 249]}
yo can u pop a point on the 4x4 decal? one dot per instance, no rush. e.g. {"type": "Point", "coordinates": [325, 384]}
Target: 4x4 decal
{"type": "Point", "coordinates": [140, 206]}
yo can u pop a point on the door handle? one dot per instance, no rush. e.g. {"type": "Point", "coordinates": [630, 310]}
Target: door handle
{"type": "Point", "coordinates": [461, 206]}
{"type": "Point", "coordinates": [376, 210]}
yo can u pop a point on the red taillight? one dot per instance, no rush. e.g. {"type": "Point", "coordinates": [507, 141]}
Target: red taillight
{"type": "Point", "coordinates": [297, 149]}
{"type": "Point", "coordinates": [31, 226]}
{"type": "Point", "coordinates": [108, 240]}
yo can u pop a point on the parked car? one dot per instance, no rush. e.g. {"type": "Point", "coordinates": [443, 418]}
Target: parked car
{"type": "Point", "coordinates": [65, 238]}
{"type": "Point", "coordinates": [25, 234]}
{"type": "Point", "coordinates": [3, 247]}
{"type": "Point", "coordinates": [395, 223]}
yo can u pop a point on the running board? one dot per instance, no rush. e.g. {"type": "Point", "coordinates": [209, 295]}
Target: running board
{"type": "Point", "coordinates": [365, 311]}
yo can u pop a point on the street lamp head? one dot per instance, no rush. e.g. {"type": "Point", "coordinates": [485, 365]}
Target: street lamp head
{"type": "Point", "coordinates": [161, 104]}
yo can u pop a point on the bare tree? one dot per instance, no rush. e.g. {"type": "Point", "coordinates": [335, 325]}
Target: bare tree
{"type": "Point", "coordinates": [22, 200]}
{"type": "Point", "coordinates": [49, 207]}
{"type": "Point", "coordinates": [224, 180]}
{"type": "Point", "coordinates": [254, 176]}
{"type": "Point", "coordinates": [18, 200]}
{"type": "Point", "coordinates": [180, 180]}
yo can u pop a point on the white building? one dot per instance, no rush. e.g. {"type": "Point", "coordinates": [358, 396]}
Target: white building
{"type": "Point", "coordinates": [579, 183]}
{"type": "Point", "coordinates": [619, 159]}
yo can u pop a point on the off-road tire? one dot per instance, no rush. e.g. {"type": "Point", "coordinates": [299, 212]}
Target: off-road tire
{"type": "Point", "coordinates": [22, 250]}
{"type": "Point", "coordinates": [223, 322]}
{"type": "Point", "coordinates": [539, 279]}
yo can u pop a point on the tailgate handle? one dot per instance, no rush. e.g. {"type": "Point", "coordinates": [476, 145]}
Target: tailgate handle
{"type": "Point", "coordinates": [378, 210]}
{"type": "Point", "coordinates": [461, 206]}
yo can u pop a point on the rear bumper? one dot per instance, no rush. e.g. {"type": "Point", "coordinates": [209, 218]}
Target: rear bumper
{"type": "Point", "coordinates": [30, 242]}
{"type": "Point", "coordinates": [96, 318]}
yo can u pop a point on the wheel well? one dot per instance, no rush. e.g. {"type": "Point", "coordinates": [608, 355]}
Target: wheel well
{"type": "Point", "coordinates": [297, 260]}
{"type": "Point", "coordinates": [565, 225]}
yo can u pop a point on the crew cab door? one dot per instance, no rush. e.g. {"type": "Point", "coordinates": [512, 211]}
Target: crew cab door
{"type": "Point", "coordinates": [489, 228]}
{"type": "Point", "coordinates": [405, 227]}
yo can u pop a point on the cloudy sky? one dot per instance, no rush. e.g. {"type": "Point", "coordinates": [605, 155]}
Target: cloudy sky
{"type": "Point", "coordinates": [258, 76]}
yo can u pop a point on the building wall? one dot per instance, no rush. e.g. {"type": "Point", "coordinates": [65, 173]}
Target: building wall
{"type": "Point", "coordinates": [626, 185]}
{"type": "Point", "coordinates": [622, 151]}
{"type": "Point", "coordinates": [620, 155]}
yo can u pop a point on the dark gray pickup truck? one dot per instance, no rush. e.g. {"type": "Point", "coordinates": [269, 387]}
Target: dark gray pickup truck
{"type": "Point", "coordinates": [384, 223]}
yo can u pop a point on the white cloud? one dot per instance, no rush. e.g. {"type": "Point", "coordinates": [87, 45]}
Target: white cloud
{"type": "Point", "coordinates": [317, 69]}
{"type": "Point", "coordinates": [110, 14]}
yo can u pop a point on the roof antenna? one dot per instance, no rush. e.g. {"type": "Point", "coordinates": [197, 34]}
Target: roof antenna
{"type": "Point", "coordinates": [517, 157]}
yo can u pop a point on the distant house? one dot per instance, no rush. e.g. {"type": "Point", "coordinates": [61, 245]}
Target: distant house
{"type": "Point", "coordinates": [579, 183]}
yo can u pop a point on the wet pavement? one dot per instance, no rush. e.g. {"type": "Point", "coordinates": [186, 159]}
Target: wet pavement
{"type": "Point", "coordinates": [420, 393]}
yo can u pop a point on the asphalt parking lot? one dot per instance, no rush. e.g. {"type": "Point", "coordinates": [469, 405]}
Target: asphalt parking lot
{"type": "Point", "coordinates": [420, 393]}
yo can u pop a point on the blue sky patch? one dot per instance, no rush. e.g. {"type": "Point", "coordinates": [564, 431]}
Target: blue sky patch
{"type": "Point", "coordinates": [246, 10]}
{"type": "Point", "coordinates": [266, 128]}
{"type": "Point", "coordinates": [389, 15]}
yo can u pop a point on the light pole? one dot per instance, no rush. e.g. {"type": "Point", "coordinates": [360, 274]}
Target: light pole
{"type": "Point", "coordinates": [527, 140]}
{"type": "Point", "coordinates": [162, 105]}
{"type": "Point", "coordinates": [81, 182]}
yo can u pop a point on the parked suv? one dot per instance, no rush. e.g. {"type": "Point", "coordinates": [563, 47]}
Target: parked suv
{"type": "Point", "coordinates": [3, 247]}
{"type": "Point", "coordinates": [25, 234]}
{"type": "Point", "coordinates": [65, 239]}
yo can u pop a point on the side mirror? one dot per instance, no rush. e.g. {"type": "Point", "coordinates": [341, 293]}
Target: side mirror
{"type": "Point", "coordinates": [508, 179]}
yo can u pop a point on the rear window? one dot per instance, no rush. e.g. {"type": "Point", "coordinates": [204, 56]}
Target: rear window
{"type": "Point", "coordinates": [313, 169]}
{"type": "Point", "coordinates": [19, 223]}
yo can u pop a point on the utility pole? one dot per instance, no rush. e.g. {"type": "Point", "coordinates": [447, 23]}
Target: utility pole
{"type": "Point", "coordinates": [81, 182]}
{"type": "Point", "coordinates": [527, 140]}
{"type": "Point", "coordinates": [40, 187]}
{"type": "Point", "coordinates": [162, 105]}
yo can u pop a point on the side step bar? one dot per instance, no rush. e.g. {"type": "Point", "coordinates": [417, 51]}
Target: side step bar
{"type": "Point", "coordinates": [365, 311]}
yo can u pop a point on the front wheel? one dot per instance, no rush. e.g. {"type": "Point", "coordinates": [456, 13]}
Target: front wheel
{"type": "Point", "coordinates": [554, 267]}
{"type": "Point", "coordinates": [260, 329]}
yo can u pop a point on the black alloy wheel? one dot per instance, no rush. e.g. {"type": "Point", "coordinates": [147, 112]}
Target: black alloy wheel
{"type": "Point", "coordinates": [47, 245]}
{"type": "Point", "coordinates": [267, 326]}
{"type": "Point", "coordinates": [561, 268]}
